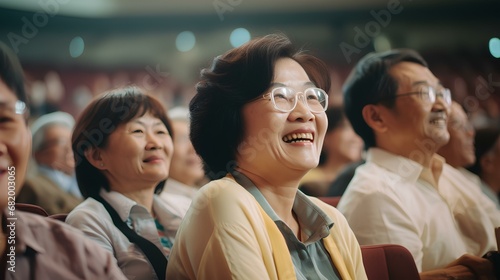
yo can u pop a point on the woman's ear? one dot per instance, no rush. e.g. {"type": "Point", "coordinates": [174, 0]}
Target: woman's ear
{"type": "Point", "coordinates": [93, 155]}
{"type": "Point", "coordinates": [374, 117]}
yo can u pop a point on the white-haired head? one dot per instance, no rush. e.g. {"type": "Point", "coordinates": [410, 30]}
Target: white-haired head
{"type": "Point", "coordinates": [40, 125]}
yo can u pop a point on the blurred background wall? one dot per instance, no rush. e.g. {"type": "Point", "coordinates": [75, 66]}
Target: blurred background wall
{"type": "Point", "coordinates": [72, 49]}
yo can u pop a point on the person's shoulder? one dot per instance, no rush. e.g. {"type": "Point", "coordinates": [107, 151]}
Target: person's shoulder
{"type": "Point", "coordinates": [369, 176]}
{"type": "Point", "coordinates": [63, 243]}
{"type": "Point", "coordinates": [37, 183]}
{"type": "Point", "coordinates": [34, 222]}
{"type": "Point", "coordinates": [224, 188]}
{"type": "Point", "coordinates": [223, 200]}
{"type": "Point", "coordinates": [45, 229]}
{"type": "Point", "coordinates": [88, 209]}
{"type": "Point", "coordinates": [39, 180]}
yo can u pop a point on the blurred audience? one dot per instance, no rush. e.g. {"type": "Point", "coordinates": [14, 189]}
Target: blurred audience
{"type": "Point", "coordinates": [43, 248]}
{"type": "Point", "coordinates": [258, 122]}
{"type": "Point", "coordinates": [123, 147]}
{"type": "Point", "coordinates": [339, 185]}
{"type": "Point", "coordinates": [53, 186]}
{"type": "Point", "coordinates": [186, 169]}
{"type": "Point", "coordinates": [487, 165]}
{"type": "Point", "coordinates": [403, 194]}
{"type": "Point", "coordinates": [342, 146]}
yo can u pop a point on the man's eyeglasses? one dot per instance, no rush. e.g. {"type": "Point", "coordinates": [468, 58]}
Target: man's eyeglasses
{"type": "Point", "coordinates": [428, 94]}
{"type": "Point", "coordinates": [285, 99]}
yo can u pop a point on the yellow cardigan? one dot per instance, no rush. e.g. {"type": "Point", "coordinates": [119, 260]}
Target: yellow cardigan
{"type": "Point", "coordinates": [284, 264]}
{"type": "Point", "coordinates": [227, 235]}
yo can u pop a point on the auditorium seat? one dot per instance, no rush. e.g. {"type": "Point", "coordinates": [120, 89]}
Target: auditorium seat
{"type": "Point", "coordinates": [32, 208]}
{"type": "Point", "coordinates": [389, 262]}
{"type": "Point", "coordinates": [332, 200]}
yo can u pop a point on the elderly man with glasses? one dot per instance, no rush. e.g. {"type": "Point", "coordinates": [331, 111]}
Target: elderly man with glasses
{"type": "Point", "coordinates": [405, 193]}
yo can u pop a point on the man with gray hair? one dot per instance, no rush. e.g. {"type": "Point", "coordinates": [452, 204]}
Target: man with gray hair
{"type": "Point", "coordinates": [53, 186]}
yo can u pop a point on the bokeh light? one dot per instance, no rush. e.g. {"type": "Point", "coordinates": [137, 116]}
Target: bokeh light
{"type": "Point", "coordinates": [76, 47]}
{"type": "Point", "coordinates": [185, 41]}
{"type": "Point", "coordinates": [239, 36]}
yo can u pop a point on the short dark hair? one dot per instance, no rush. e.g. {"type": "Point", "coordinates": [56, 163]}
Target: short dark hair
{"type": "Point", "coordinates": [12, 73]}
{"type": "Point", "coordinates": [369, 82]}
{"type": "Point", "coordinates": [484, 141]}
{"type": "Point", "coordinates": [234, 79]}
{"type": "Point", "coordinates": [100, 119]}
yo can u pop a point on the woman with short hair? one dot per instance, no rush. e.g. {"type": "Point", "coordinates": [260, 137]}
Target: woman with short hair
{"type": "Point", "coordinates": [258, 122]}
{"type": "Point", "coordinates": [122, 145]}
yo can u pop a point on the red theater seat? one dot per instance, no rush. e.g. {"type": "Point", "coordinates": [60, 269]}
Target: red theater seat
{"type": "Point", "coordinates": [389, 262]}
{"type": "Point", "coordinates": [332, 200]}
{"type": "Point", "coordinates": [32, 208]}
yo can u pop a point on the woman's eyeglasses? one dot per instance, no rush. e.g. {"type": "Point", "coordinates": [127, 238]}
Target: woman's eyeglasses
{"type": "Point", "coordinates": [285, 99]}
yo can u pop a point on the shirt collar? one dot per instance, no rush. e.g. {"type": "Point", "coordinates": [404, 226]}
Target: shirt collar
{"type": "Point", "coordinates": [127, 209]}
{"type": "Point", "coordinates": [406, 168]}
{"type": "Point", "coordinates": [315, 224]}
{"type": "Point", "coordinates": [122, 204]}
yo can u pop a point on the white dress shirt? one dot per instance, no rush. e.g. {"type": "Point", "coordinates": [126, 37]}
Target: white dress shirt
{"type": "Point", "coordinates": [395, 200]}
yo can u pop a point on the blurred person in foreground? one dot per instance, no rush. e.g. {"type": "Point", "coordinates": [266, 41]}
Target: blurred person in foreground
{"type": "Point", "coordinates": [186, 170]}
{"type": "Point", "coordinates": [342, 146]}
{"type": "Point", "coordinates": [487, 165]}
{"type": "Point", "coordinates": [43, 248]}
{"type": "Point", "coordinates": [53, 186]}
{"type": "Point", "coordinates": [258, 121]}
{"type": "Point", "coordinates": [123, 147]}
{"type": "Point", "coordinates": [404, 194]}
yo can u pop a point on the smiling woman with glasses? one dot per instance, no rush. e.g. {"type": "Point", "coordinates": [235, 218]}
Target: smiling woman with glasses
{"type": "Point", "coordinates": [258, 121]}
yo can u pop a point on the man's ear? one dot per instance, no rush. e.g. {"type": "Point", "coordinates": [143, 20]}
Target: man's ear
{"type": "Point", "coordinates": [374, 117]}
{"type": "Point", "coordinates": [93, 155]}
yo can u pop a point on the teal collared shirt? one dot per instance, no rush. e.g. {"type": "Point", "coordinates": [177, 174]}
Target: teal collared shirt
{"type": "Point", "coordinates": [310, 258]}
